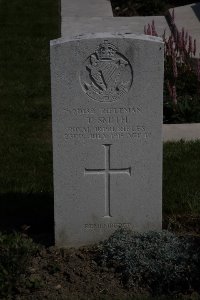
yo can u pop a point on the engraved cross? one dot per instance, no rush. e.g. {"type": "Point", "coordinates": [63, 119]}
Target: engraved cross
{"type": "Point", "coordinates": [107, 172]}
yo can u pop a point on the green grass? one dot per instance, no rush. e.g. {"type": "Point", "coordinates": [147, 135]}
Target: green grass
{"type": "Point", "coordinates": [26, 27]}
{"type": "Point", "coordinates": [181, 175]}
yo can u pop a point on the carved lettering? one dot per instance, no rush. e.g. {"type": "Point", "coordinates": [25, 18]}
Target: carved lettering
{"type": "Point", "coordinates": [107, 132]}
{"type": "Point", "coordinates": [107, 226]}
{"type": "Point", "coordinates": [78, 111]}
{"type": "Point", "coordinates": [107, 120]}
{"type": "Point", "coordinates": [121, 110]}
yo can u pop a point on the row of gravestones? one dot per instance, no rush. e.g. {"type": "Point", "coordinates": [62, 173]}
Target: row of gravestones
{"type": "Point", "coordinates": [107, 91]}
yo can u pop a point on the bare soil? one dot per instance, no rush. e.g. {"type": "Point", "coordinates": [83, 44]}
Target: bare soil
{"type": "Point", "coordinates": [69, 274]}
{"type": "Point", "coordinates": [75, 274]}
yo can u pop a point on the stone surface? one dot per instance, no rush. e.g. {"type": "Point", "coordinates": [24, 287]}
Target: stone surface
{"type": "Point", "coordinates": [107, 135]}
{"type": "Point", "coordinates": [176, 132]}
{"type": "Point", "coordinates": [188, 16]}
{"type": "Point", "coordinates": [85, 8]}
{"type": "Point", "coordinates": [74, 26]}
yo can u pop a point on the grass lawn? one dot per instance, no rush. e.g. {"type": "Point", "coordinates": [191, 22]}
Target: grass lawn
{"type": "Point", "coordinates": [181, 175]}
{"type": "Point", "coordinates": [26, 27]}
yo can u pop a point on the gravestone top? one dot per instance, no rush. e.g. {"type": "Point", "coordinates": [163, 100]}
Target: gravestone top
{"type": "Point", "coordinates": [107, 135]}
{"type": "Point", "coordinates": [104, 35]}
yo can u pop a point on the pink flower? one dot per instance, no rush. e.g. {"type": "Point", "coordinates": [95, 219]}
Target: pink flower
{"type": "Point", "coordinates": [186, 38]}
{"type": "Point", "coordinates": [172, 16]}
{"type": "Point", "coordinates": [183, 35]}
{"type": "Point", "coordinates": [194, 47]}
{"type": "Point", "coordinates": [164, 36]}
{"type": "Point", "coordinates": [198, 69]}
{"type": "Point", "coordinates": [190, 45]}
{"type": "Point", "coordinates": [149, 30]}
{"type": "Point", "coordinates": [153, 29]}
{"type": "Point", "coordinates": [169, 88]}
{"type": "Point", "coordinates": [174, 64]}
{"type": "Point", "coordinates": [174, 95]}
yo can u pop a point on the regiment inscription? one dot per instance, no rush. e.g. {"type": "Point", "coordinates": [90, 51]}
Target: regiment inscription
{"type": "Point", "coordinates": [109, 123]}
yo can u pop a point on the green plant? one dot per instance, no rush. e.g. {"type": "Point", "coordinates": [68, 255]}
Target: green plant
{"type": "Point", "coordinates": [157, 261]}
{"type": "Point", "coordinates": [181, 75]}
{"type": "Point", "coordinates": [138, 7]}
{"type": "Point", "coordinates": [33, 283]}
{"type": "Point", "coordinates": [15, 253]}
{"type": "Point", "coordinates": [53, 268]}
{"type": "Point", "coordinates": [149, 7]}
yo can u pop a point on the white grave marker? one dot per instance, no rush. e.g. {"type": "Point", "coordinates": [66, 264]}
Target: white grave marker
{"type": "Point", "coordinates": [107, 135]}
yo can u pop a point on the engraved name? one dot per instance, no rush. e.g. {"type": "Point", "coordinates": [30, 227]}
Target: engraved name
{"type": "Point", "coordinates": [108, 120]}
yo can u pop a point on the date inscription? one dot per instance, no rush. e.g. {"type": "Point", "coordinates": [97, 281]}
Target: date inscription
{"type": "Point", "coordinates": [103, 133]}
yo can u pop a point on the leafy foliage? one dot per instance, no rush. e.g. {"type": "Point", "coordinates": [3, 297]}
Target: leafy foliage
{"type": "Point", "coordinates": [145, 8]}
{"type": "Point", "coordinates": [15, 253]}
{"type": "Point", "coordinates": [158, 260]}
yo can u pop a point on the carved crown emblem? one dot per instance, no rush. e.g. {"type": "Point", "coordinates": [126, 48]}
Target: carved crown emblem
{"type": "Point", "coordinates": [106, 51]}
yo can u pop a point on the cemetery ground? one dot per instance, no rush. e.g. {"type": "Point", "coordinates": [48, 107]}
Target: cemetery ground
{"type": "Point", "coordinates": [38, 270]}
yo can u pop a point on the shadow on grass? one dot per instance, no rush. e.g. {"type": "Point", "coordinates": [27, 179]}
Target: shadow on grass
{"type": "Point", "coordinates": [29, 213]}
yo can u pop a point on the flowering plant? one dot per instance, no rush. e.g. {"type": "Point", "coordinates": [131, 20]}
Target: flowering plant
{"type": "Point", "coordinates": [181, 75]}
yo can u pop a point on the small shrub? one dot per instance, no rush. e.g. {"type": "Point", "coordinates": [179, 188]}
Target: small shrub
{"type": "Point", "coordinates": [33, 283]}
{"type": "Point", "coordinates": [157, 261]}
{"type": "Point", "coordinates": [138, 7]}
{"type": "Point", "coordinates": [149, 7]}
{"type": "Point", "coordinates": [15, 253]}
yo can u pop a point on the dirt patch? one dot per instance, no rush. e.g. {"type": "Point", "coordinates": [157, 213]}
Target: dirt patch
{"type": "Point", "coordinates": [122, 267]}
{"type": "Point", "coordinates": [61, 274]}
{"type": "Point", "coordinates": [69, 274]}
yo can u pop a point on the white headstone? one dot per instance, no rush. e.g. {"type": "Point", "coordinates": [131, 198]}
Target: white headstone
{"type": "Point", "coordinates": [107, 94]}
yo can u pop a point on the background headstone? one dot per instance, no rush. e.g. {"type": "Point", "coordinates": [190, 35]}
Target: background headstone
{"type": "Point", "coordinates": [188, 17]}
{"type": "Point", "coordinates": [77, 25]}
{"type": "Point", "coordinates": [86, 8]}
{"type": "Point", "coordinates": [107, 135]}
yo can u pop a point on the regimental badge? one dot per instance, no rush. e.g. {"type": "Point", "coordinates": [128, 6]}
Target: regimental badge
{"type": "Point", "coordinates": [106, 75]}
